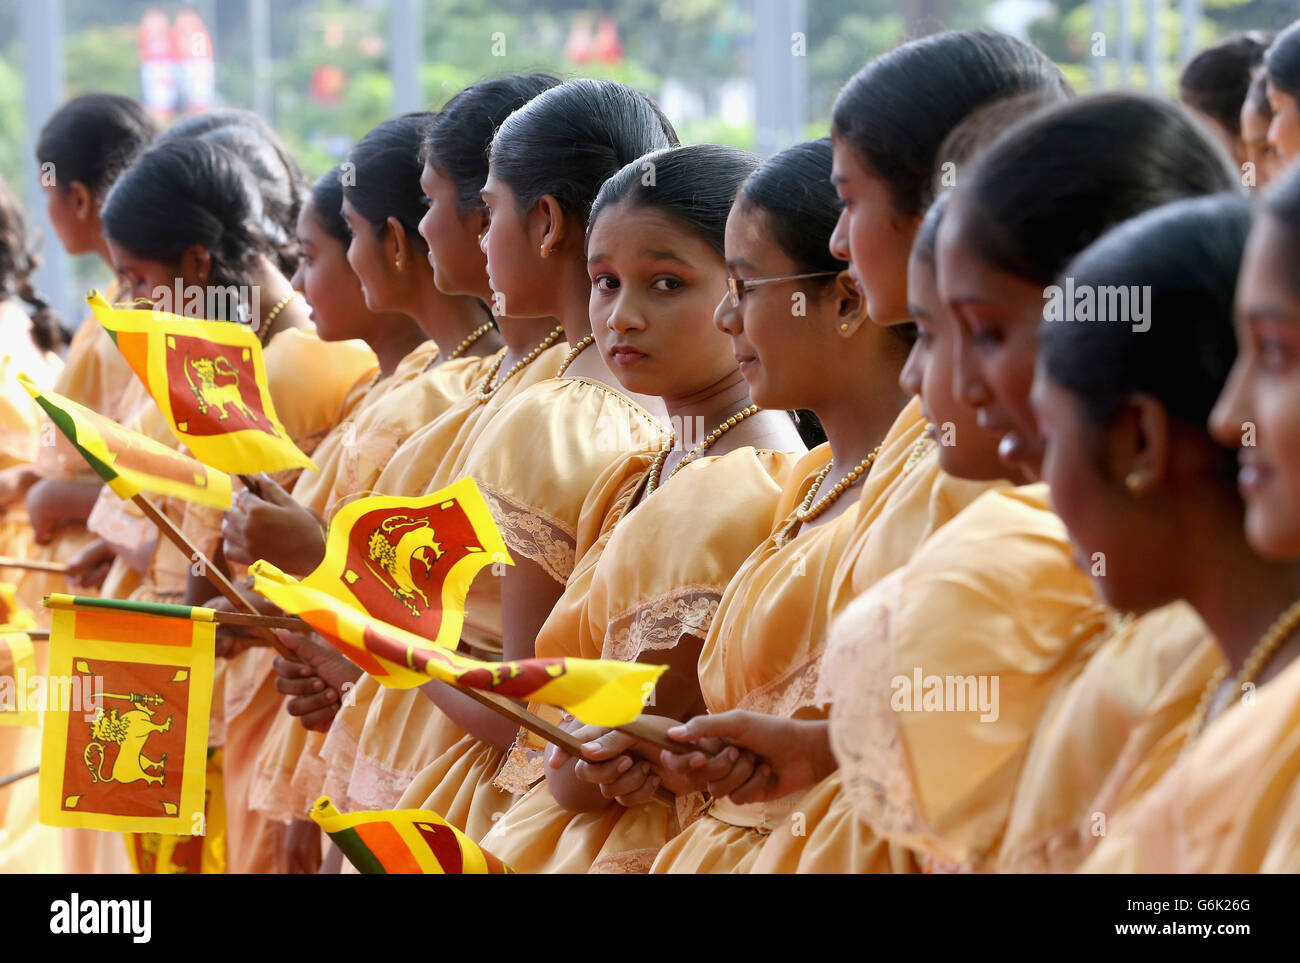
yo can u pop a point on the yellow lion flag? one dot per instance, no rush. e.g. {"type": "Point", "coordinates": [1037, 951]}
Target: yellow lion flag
{"type": "Point", "coordinates": [209, 380]}
{"type": "Point", "coordinates": [404, 841]}
{"type": "Point", "coordinates": [128, 461]}
{"type": "Point", "coordinates": [125, 735]}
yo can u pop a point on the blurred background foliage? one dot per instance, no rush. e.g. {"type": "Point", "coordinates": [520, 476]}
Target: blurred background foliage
{"type": "Point", "coordinates": [698, 46]}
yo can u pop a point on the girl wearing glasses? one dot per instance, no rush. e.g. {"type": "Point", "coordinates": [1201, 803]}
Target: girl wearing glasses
{"type": "Point", "coordinates": [993, 597]}
{"type": "Point", "coordinates": [648, 587]}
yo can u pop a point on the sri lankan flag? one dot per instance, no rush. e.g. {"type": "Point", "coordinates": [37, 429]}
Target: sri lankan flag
{"type": "Point", "coordinates": [597, 691]}
{"type": "Point", "coordinates": [209, 380]}
{"type": "Point", "coordinates": [410, 561]}
{"type": "Point", "coordinates": [128, 461]}
{"type": "Point", "coordinates": [126, 717]}
{"type": "Point", "coordinates": [404, 841]}
{"type": "Point", "coordinates": [157, 854]}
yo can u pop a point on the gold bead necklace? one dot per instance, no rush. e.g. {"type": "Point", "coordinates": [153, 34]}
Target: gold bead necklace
{"type": "Point", "coordinates": [1259, 657]}
{"type": "Point", "coordinates": [490, 385]}
{"type": "Point", "coordinates": [807, 511]}
{"type": "Point", "coordinates": [272, 315]}
{"type": "Point", "coordinates": [585, 343]}
{"type": "Point", "coordinates": [652, 482]}
{"type": "Point", "coordinates": [469, 341]}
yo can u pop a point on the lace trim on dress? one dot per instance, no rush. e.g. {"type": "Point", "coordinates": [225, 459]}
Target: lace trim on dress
{"type": "Point", "coordinates": [785, 695]}
{"type": "Point", "coordinates": [534, 535]}
{"type": "Point", "coordinates": [661, 622]}
{"type": "Point", "coordinates": [634, 861]}
{"type": "Point", "coordinates": [875, 773]}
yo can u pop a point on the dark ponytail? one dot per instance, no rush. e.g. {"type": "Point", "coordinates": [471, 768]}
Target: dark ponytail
{"type": "Point", "coordinates": [18, 261]}
{"type": "Point", "coordinates": [457, 141]}
{"type": "Point", "coordinates": [280, 181]}
{"type": "Point", "coordinates": [386, 168]}
{"type": "Point", "coordinates": [1187, 255]}
{"type": "Point", "coordinates": [693, 185]}
{"type": "Point", "coordinates": [327, 202]}
{"type": "Point", "coordinates": [1282, 61]}
{"type": "Point", "coordinates": [1051, 184]}
{"type": "Point", "coordinates": [1216, 80]}
{"type": "Point", "coordinates": [185, 192]}
{"type": "Point", "coordinates": [569, 140]}
{"type": "Point", "coordinates": [93, 138]}
{"type": "Point", "coordinates": [896, 111]}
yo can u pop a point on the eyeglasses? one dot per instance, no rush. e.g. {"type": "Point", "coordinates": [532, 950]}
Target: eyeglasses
{"type": "Point", "coordinates": [736, 288]}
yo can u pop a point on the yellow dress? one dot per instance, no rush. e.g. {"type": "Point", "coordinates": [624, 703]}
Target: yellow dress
{"type": "Point", "coordinates": [25, 845]}
{"type": "Point", "coordinates": [655, 576]}
{"type": "Point", "coordinates": [551, 475]}
{"type": "Point", "coordinates": [430, 458]}
{"type": "Point", "coordinates": [1228, 805]}
{"type": "Point", "coordinates": [1108, 726]}
{"type": "Point", "coordinates": [764, 649]}
{"type": "Point", "coordinates": [387, 410]}
{"type": "Point", "coordinates": [937, 678]}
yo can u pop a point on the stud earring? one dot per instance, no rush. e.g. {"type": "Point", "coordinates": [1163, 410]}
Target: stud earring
{"type": "Point", "coordinates": [844, 327]}
{"type": "Point", "coordinates": [398, 264]}
{"type": "Point", "coordinates": [1133, 481]}
{"type": "Point", "coordinates": [543, 251]}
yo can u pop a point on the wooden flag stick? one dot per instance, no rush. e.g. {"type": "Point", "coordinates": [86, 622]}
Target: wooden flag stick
{"type": "Point", "coordinates": [32, 566]}
{"type": "Point", "coordinates": [210, 571]}
{"type": "Point", "coordinates": [539, 726]}
{"type": "Point", "coordinates": [290, 623]}
{"type": "Point", "coordinates": [20, 774]}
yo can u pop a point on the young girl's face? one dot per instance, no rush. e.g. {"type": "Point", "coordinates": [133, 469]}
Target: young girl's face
{"type": "Point", "coordinates": [1259, 410]}
{"type": "Point", "coordinates": [871, 235]}
{"type": "Point", "coordinates": [324, 277]}
{"type": "Point", "coordinates": [370, 259]}
{"type": "Point", "coordinates": [783, 335]}
{"type": "Point", "coordinates": [152, 281]}
{"type": "Point", "coordinates": [1284, 130]}
{"type": "Point", "coordinates": [997, 337]}
{"type": "Point", "coordinates": [654, 287]}
{"type": "Point", "coordinates": [1108, 536]}
{"type": "Point", "coordinates": [964, 450]}
{"type": "Point", "coordinates": [518, 275]}
{"type": "Point", "coordinates": [459, 266]}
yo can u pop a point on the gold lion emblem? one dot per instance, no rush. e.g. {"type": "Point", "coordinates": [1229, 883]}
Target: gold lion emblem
{"type": "Point", "coordinates": [130, 730]}
{"type": "Point", "coordinates": [208, 394]}
{"type": "Point", "coordinates": [392, 562]}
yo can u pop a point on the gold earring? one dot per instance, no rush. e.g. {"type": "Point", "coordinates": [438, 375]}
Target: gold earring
{"type": "Point", "coordinates": [1133, 481]}
{"type": "Point", "coordinates": [844, 326]}
{"type": "Point", "coordinates": [481, 235]}
{"type": "Point", "coordinates": [543, 250]}
{"type": "Point", "coordinates": [398, 264]}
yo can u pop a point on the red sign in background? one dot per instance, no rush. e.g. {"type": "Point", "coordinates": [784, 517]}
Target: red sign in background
{"type": "Point", "coordinates": [137, 798]}
{"type": "Point", "coordinates": [238, 383]}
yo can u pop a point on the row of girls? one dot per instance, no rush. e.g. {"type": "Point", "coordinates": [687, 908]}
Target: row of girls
{"type": "Point", "coordinates": [904, 471]}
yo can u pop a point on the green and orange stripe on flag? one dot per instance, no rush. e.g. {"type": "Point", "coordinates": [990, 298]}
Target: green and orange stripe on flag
{"type": "Point", "coordinates": [128, 461]}
{"type": "Point", "coordinates": [208, 379]}
{"type": "Point", "coordinates": [404, 841]}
